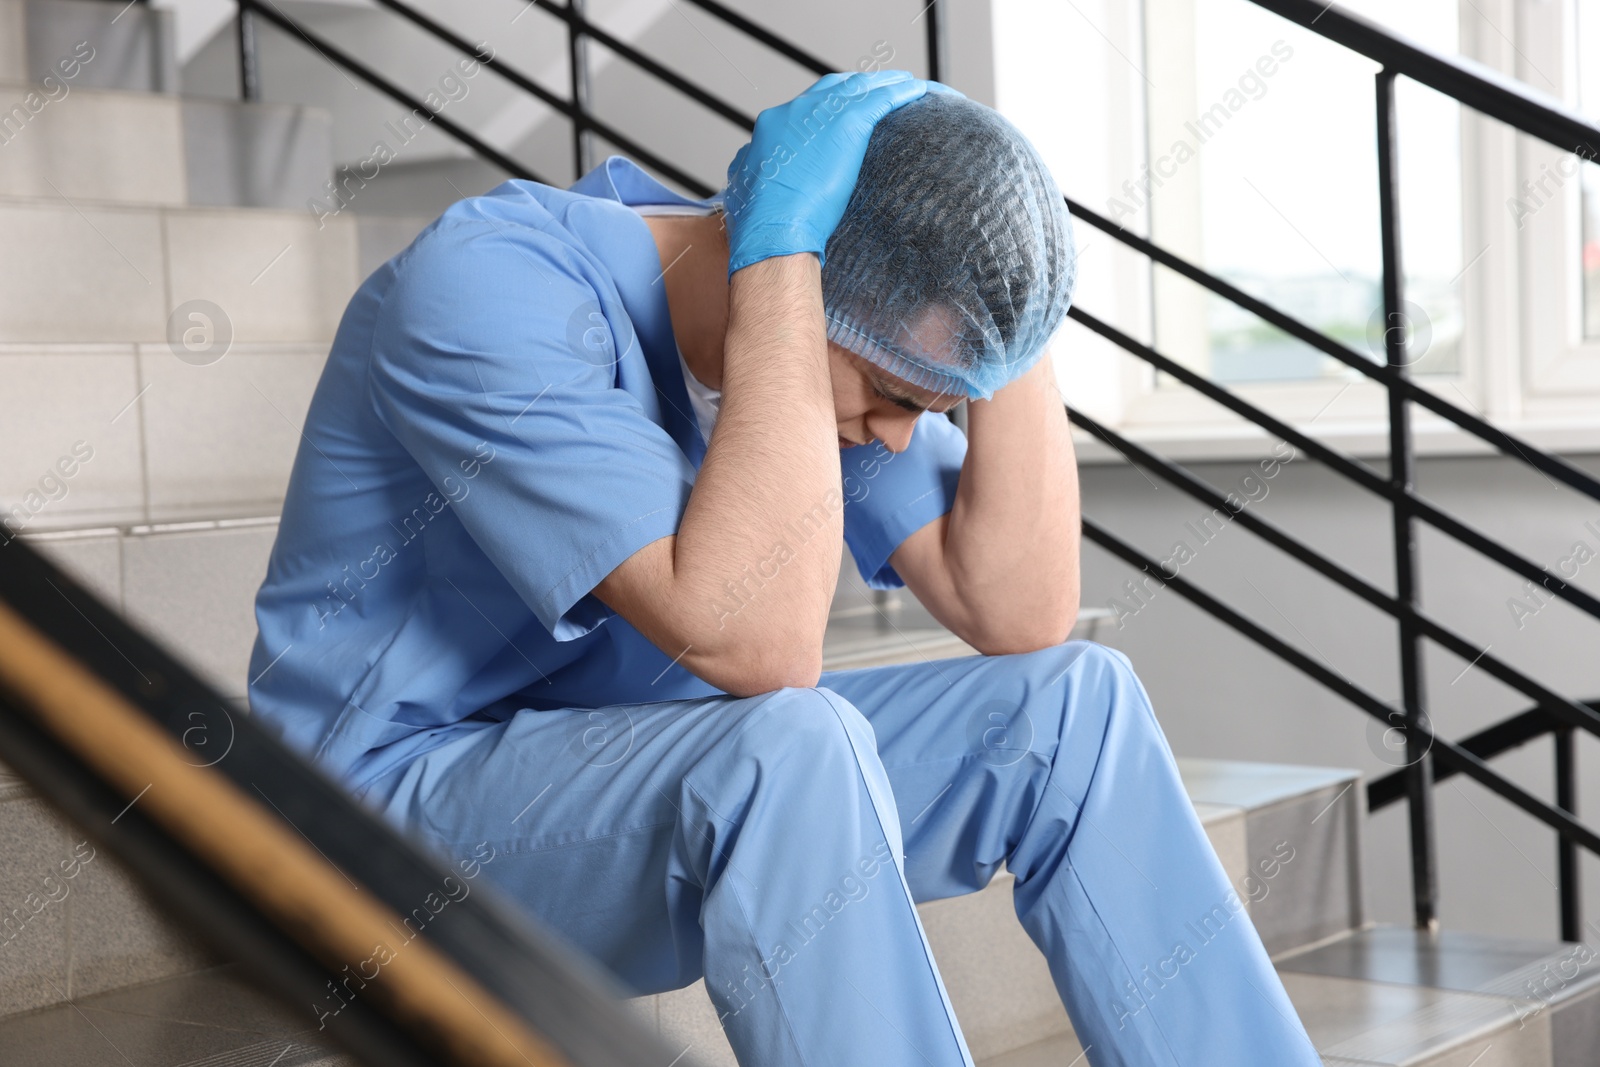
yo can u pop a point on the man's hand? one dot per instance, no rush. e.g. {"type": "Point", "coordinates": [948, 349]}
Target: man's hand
{"type": "Point", "coordinates": [1001, 570]}
{"type": "Point", "coordinates": [788, 188]}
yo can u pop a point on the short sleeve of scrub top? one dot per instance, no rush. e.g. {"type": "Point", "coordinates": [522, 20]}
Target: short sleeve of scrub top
{"type": "Point", "coordinates": [490, 334]}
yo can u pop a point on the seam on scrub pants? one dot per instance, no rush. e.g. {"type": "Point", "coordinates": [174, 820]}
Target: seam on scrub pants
{"type": "Point", "coordinates": [1055, 755]}
{"type": "Point", "coordinates": [750, 930]}
{"type": "Point", "coordinates": [1122, 958]}
{"type": "Point", "coordinates": [927, 952]}
{"type": "Point", "coordinates": [1072, 867]}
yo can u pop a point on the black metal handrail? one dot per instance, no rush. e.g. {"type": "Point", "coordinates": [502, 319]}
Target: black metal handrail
{"type": "Point", "coordinates": [1479, 88]}
{"type": "Point", "coordinates": [155, 766]}
{"type": "Point", "coordinates": [575, 107]}
{"type": "Point", "coordinates": [1454, 753]}
{"type": "Point", "coordinates": [1487, 743]}
{"type": "Point", "coordinates": [1571, 712]}
{"type": "Point", "coordinates": [1557, 468]}
{"type": "Point", "coordinates": [1352, 469]}
{"type": "Point", "coordinates": [1483, 89]}
{"type": "Point", "coordinates": [269, 11]}
{"type": "Point", "coordinates": [249, 75]}
{"type": "Point", "coordinates": [1526, 110]}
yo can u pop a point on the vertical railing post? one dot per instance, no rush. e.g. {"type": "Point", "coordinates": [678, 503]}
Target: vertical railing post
{"type": "Point", "coordinates": [578, 65]}
{"type": "Point", "coordinates": [249, 57]}
{"type": "Point", "coordinates": [938, 54]}
{"type": "Point", "coordinates": [1566, 848]}
{"type": "Point", "coordinates": [1397, 327]}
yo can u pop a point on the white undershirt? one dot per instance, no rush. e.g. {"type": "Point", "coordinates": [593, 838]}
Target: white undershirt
{"type": "Point", "coordinates": [704, 399]}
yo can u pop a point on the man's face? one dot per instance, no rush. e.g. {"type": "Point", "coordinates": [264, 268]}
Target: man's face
{"type": "Point", "coordinates": [871, 404]}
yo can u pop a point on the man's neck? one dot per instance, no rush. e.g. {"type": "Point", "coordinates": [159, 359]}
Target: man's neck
{"type": "Point", "coordinates": [694, 260]}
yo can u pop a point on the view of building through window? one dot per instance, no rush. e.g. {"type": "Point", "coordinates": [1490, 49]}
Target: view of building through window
{"type": "Point", "coordinates": [1589, 93]}
{"type": "Point", "coordinates": [1287, 193]}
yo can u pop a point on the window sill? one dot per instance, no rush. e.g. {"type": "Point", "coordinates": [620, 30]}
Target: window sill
{"type": "Point", "coordinates": [1365, 439]}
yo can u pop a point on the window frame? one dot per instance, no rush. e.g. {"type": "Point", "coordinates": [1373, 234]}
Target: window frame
{"type": "Point", "coordinates": [1516, 283]}
{"type": "Point", "coordinates": [1560, 367]}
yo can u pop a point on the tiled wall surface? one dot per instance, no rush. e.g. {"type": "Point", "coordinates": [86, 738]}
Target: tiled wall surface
{"type": "Point", "coordinates": [167, 441]}
{"type": "Point", "coordinates": [169, 435]}
{"type": "Point", "coordinates": [13, 35]}
{"type": "Point", "coordinates": [193, 588]}
{"type": "Point", "coordinates": [277, 277]}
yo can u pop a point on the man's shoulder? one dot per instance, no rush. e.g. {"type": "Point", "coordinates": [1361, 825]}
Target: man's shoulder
{"type": "Point", "coordinates": [519, 227]}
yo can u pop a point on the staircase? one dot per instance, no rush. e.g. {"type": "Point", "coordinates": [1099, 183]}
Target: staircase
{"type": "Point", "coordinates": [179, 445]}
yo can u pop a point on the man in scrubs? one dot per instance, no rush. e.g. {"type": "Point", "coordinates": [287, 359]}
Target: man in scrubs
{"type": "Point", "coordinates": [560, 546]}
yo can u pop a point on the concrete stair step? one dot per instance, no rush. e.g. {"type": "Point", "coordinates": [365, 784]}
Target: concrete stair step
{"type": "Point", "coordinates": [997, 981]}
{"type": "Point", "coordinates": [87, 145]}
{"type": "Point", "coordinates": [132, 50]}
{"type": "Point", "coordinates": [72, 923]}
{"type": "Point", "coordinates": [257, 155]}
{"type": "Point", "coordinates": [1397, 997]}
{"type": "Point", "coordinates": [130, 434]}
{"type": "Point", "coordinates": [211, 1018]}
{"type": "Point", "coordinates": [186, 376]}
{"type": "Point", "coordinates": [98, 146]}
{"type": "Point", "coordinates": [380, 237]}
{"type": "Point", "coordinates": [276, 276]}
{"type": "Point", "coordinates": [1384, 996]}
{"type": "Point", "coordinates": [1394, 995]}
{"type": "Point", "coordinates": [1315, 811]}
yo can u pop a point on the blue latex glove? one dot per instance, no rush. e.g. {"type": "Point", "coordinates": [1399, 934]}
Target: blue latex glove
{"type": "Point", "coordinates": [787, 188]}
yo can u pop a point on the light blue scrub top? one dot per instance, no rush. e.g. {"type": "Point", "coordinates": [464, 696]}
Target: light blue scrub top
{"type": "Point", "coordinates": [501, 422]}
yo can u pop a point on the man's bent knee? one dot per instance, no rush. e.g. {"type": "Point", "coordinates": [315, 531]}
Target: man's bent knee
{"type": "Point", "coordinates": [815, 726]}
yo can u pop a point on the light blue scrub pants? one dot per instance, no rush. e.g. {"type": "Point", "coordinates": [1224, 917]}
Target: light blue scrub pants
{"type": "Point", "coordinates": [759, 841]}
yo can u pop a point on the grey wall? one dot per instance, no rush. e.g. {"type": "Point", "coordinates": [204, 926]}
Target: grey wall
{"type": "Point", "coordinates": [1220, 695]}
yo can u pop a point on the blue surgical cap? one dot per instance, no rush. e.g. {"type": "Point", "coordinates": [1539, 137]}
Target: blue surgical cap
{"type": "Point", "coordinates": [954, 262]}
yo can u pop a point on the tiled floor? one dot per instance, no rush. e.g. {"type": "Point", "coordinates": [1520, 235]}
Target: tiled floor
{"type": "Point", "coordinates": [1388, 996]}
{"type": "Point", "coordinates": [208, 1019]}
{"type": "Point", "coordinates": [1472, 998]}
{"type": "Point", "coordinates": [1450, 959]}
{"type": "Point", "coordinates": [1383, 996]}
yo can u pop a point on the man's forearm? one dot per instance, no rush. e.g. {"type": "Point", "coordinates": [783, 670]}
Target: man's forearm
{"type": "Point", "coordinates": [762, 535]}
{"type": "Point", "coordinates": [1012, 543]}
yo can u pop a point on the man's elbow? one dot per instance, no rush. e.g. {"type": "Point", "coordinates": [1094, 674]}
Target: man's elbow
{"type": "Point", "coordinates": [751, 670]}
{"type": "Point", "coordinates": [1026, 635]}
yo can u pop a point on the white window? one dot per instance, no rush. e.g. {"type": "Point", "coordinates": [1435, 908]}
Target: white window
{"type": "Point", "coordinates": [1588, 64]}
{"type": "Point", "coordinates": [1257, 161]}
{"type": "Point", "coordinates": [1555, 205]}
